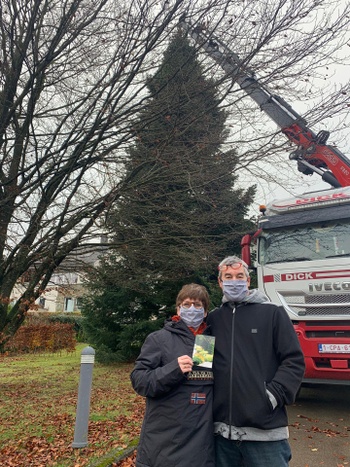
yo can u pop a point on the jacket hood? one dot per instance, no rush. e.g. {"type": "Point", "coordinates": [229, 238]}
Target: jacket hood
{"type": "Point", "coordinates": [254, 296]}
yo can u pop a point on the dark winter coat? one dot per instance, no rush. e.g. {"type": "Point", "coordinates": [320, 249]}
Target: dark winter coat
{"type": "Point", "coordinates": [177, 430]}
{"type": "Point", "coordinates": [256, 349]}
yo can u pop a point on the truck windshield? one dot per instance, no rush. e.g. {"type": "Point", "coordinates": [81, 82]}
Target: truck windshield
{"type": "Point", "coordinates": [305, 243]}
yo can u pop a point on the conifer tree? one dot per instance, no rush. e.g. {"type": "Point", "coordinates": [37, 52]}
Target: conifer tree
{"type": "Point", "coordinates": [184, 214]}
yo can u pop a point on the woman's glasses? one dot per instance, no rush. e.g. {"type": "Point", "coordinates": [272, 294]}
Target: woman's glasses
{"type": "Point", "coordinates": [197, 305]}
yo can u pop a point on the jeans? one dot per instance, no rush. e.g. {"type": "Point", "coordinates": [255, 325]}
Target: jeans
{"type": "Point", "coordinates": [232, 453]}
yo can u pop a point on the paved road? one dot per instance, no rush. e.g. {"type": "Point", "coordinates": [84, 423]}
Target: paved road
{"type": "Point", "coordinates": [320, 427]}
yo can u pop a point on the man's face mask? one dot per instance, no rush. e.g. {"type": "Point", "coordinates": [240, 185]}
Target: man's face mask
{"type": "Point", "coordinates": [235, 290]}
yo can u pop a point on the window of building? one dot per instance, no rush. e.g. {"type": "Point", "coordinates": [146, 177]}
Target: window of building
{"type": "Point", "coordinates": [68, 304]}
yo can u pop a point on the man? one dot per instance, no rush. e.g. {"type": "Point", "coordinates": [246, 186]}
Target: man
{"type": "Point", "coordinates": [258, 367]}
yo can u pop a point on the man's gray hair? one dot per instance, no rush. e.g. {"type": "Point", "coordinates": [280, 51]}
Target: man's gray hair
{"type": "Point", "coordinates": [231, 261]}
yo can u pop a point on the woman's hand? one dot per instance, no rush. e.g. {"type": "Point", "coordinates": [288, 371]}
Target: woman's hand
{"type": "Point", "coordinates": [185, 363]}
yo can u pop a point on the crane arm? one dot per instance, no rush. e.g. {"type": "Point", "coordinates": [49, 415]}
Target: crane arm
{"type": "Point", "coordinates": [312, 153]}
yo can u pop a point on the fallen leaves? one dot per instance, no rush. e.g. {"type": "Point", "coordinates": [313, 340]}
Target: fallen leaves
{"type": "Point", "coordinates": [128, 462]}
{"type": "Point", "coordinates": [37, 415]}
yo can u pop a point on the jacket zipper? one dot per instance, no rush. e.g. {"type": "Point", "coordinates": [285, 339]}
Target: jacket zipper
{"type": "Point", "coordinates": [231, 373]}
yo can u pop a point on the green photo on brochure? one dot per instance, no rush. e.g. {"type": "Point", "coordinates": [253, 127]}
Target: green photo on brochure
{"type": "Point", "coordinates": [203, 351]}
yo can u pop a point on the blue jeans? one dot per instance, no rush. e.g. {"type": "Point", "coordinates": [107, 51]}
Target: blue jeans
{"type": "Point", "coordinates": [231, 453]}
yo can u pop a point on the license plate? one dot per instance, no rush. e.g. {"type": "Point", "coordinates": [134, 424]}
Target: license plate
{"type": "Point", "coordinates": [334, 348]}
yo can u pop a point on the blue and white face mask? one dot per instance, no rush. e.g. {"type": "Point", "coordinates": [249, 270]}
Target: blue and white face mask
{"type": "Point", "coordinates": [235, 290]}
{"type": "Point", "coordinates": [192, 316]}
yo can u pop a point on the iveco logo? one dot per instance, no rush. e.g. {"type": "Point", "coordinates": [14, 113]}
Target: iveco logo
{"type": "Point", "coordinates": [329, 286]}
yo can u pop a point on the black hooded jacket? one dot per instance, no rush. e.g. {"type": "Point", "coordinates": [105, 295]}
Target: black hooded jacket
{"type": "Point", "coordinates": [177, 430]}
{"type": "Point", "coordinates": [256, 350]}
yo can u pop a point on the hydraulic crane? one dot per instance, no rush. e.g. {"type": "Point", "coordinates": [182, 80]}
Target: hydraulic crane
{"type": "Point", "coordinates": [312, 154]}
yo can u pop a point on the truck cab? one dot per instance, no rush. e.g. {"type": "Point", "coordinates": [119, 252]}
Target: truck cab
{"type": "Point", "coordinates": [303, 264]}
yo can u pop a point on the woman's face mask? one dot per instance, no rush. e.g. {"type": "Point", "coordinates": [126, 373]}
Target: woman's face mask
{"type": "Point", "coordinates": [235, 290]}
{"type": "Point", "coordinates": [192, 316]}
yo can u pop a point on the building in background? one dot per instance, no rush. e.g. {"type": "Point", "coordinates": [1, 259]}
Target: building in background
{"type": "Point", "coordinates": [66, 288]}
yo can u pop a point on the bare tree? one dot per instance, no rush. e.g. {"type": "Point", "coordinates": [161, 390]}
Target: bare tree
{"type": "Point", "coordinates": [72, 83]}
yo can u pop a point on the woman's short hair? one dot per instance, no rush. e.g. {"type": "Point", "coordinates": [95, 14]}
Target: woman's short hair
{"type": "Point", "coordinates": [194, 292]}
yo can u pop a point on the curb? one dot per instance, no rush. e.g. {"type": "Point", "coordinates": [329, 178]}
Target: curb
{"type": "Point", "coordinates": [115, 456]}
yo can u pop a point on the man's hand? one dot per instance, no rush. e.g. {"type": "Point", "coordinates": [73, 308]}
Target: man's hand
{"type": "Point", "coordinates": [185, 363]}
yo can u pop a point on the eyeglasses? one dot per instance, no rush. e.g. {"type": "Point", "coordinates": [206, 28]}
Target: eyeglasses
{"type": "Point", "coordinates": [233, 266]}
{"type": "Point", "coordinates": [188, 304]}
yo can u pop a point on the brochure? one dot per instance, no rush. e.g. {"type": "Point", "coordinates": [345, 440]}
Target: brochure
{"type": "Point", "coordinates": [203, 351]}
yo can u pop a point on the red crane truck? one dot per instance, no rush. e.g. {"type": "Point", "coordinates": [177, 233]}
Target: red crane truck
{"type": "Point", "coordinates": [302, 244]}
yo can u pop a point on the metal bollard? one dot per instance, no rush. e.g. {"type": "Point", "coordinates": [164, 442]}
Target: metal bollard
{"type": "Point", "coordinates": [83, 406]}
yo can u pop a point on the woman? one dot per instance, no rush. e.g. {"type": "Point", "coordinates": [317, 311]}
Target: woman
{"type": "Point", "coordinates": [177, 429]}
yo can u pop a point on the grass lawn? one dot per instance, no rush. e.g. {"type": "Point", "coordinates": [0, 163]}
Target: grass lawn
{"type": "Point", "coordinates": [38, 400]}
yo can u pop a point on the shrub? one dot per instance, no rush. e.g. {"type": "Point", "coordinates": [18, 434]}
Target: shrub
{"type": "Point", "coordinates": [74, 319]}
{"type": "Point", "coordinates": [41, 337]}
